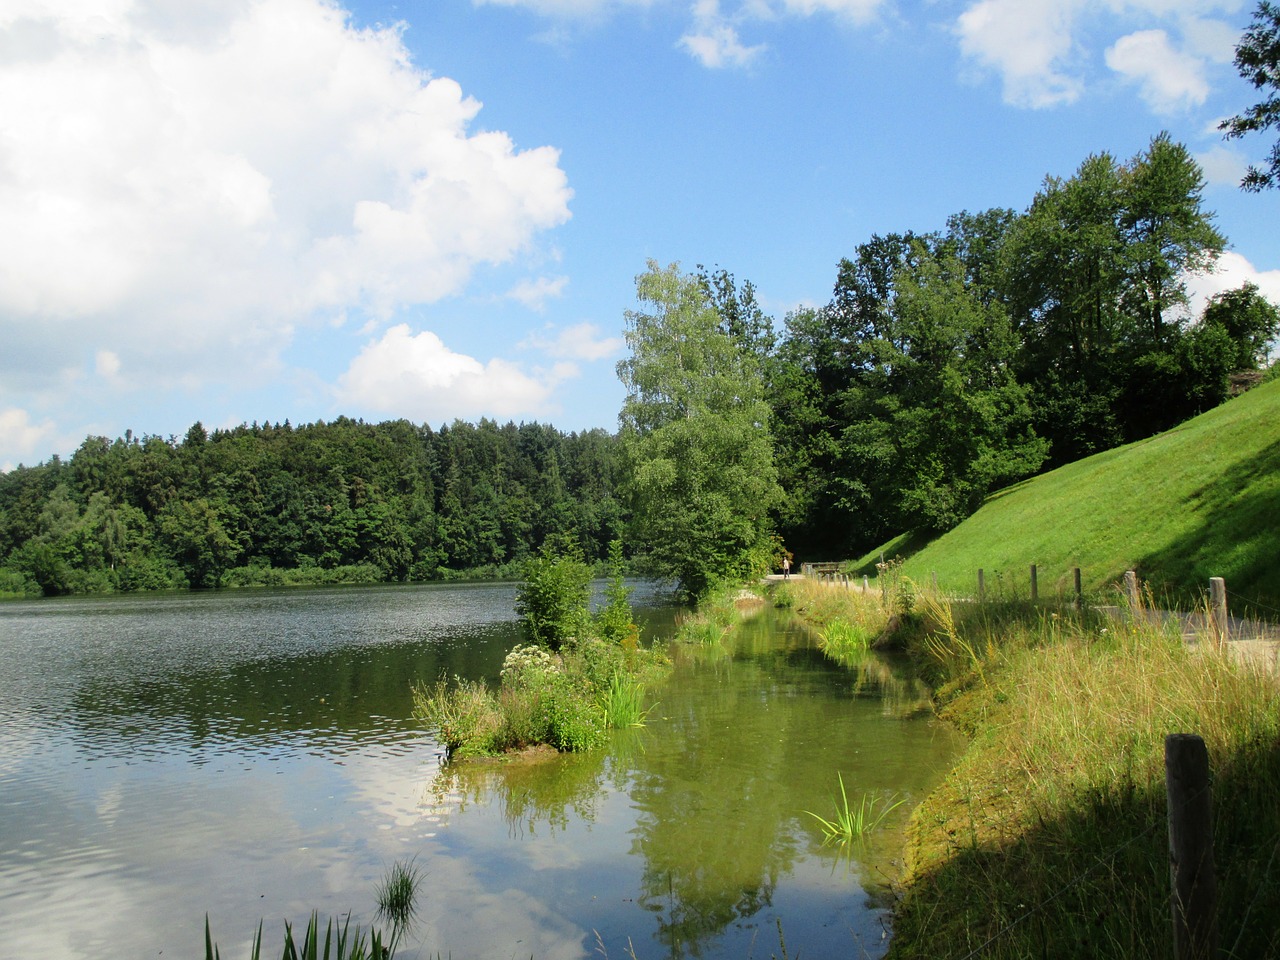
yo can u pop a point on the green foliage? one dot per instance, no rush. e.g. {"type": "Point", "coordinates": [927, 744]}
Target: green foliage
{"type": "Point", "coordinates": [623, 702]}
{"type": "Point", "coordinates": [320, 503]}
{"type": "Point", "coordinates": [340, 943]}
{"type": "Point", "coordinates": [952, 363]}
{"type": "Point", "coordinates": [1258, 60]}
{"type": "Point", "coordinates": [568, 700]}
{"type": "Point", "coordinates": [696, 438]}
{"type": "Point", "coordinates": [553, 602]}
{"type": "Point", "coordinates": [615, 621]}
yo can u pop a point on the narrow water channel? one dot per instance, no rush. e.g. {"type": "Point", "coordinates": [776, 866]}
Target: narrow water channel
{"type": "Point", "coordinates": [251, 755]}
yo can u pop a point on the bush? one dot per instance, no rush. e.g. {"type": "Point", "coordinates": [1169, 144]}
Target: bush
{"type": "Point", "coordinates": [553, 602]}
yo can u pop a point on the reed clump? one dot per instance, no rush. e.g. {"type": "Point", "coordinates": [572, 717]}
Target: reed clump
{"type": "Point", "coordinates": [854, 821]}
{"type": "Point", "coordinates": [1049, 838]}
{"type": "Point", "coordinates": [568, 700]}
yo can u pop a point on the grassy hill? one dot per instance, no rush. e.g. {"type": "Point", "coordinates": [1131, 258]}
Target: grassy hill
{"type": "Point", "coordinates": [1200, 501]}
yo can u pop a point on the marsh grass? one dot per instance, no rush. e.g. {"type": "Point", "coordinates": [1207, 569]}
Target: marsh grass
{"type": "Point", "coordinates": [623, 703]}
{"type": "Point", "coordinates": [568, 700]}
{"type": "Point", "coordinates": [397, 893]}
{"type": "Point", "coordinates": [1049, 837]}
{"type": "Point", "coordinates": [340, 943]}
{"type": "Point", "coordinates": [854, 822]}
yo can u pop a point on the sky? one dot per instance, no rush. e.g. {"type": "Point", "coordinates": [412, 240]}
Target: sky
{"type": "Point", "coordinates": [231, 211]}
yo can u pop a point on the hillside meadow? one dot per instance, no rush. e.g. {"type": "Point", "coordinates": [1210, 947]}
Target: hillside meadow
{"type": "Point", "coordinates": [1198, 501]}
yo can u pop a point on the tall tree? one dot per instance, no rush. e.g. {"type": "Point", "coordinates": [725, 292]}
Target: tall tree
{"type": "Point", "coordinates": [938, 421]}
{"type": "Point", "coordinates": [696, 437]}
{"type": "Point", "coordinates": [1258, 60]}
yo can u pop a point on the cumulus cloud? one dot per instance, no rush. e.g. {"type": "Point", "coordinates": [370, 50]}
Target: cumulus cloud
{"type": "Point", "coordinates": [1167, 78]}
{"type": "Point", "coordinates": [713, 40]}
{"type": "Point", "coordinates": [1043, 50]}
{"type": "Point", "coordinates": [1231, 273]}
{"type": "Point", "coordinates": [1029, 43]}
{"type": "Point", "coordinates": [21, 438]}
{"type": "Point", "coordinates": [187, 181]}
{"type": "Point", "coordinates": [417, 376]}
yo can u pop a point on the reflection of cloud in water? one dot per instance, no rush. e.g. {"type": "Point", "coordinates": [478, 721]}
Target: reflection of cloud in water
{"type": "Point", "coordinates": [466, 918]}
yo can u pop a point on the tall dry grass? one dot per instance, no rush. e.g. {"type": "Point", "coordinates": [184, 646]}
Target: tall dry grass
{"type": "Point", "coordinates": [1049, 837]}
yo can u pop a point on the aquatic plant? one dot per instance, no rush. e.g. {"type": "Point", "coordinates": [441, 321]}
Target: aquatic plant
{"type": "Point", "coordinates": [623, 703]}
{"type": "Point", "coordinates": [397, 893]}
{"type": "Point", "coordinates": [340, 943]}
{"type": "Point", "coordinates": [854, 822]}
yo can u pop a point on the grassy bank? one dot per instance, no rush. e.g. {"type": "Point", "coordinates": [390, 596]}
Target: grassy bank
{"type": "Point", "coordinates": [1195, 502]}
{"type": "Point", "coordinates": [1049, 838]}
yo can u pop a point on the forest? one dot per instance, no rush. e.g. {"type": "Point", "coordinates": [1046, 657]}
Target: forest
{"type": "Point", "coordinates": [946, 365]}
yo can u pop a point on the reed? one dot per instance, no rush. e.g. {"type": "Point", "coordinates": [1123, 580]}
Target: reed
{"type": "Point", "coordinates": [623, 703]}
{"type": "Point", "coordinates": [397, 894]}
{"type": "Point", "coordinates": [853, 822]}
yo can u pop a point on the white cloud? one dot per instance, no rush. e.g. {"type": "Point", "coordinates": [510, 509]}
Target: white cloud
{"type": "Point", "coordinates": [534, 294]}
{"type": "Point", "coordinates": [1222, 166]}
{"type": "Point", "coordinates": [569, 9]}
{"type": "Point", "coordinates": [1168, 78]}
{"type": "Point", "coordinates": [582, 341]}
{"type": "Point", "coordinates": [189, 180]}
{"type": "Point", "coordinates": [20, 437]}
{"type": "Point", "coordinates": [1028, 42]}
{"type": "Point", "coordinates": [418, 377]}
{"type": "Point", "coordinates": [858, 11]}
{"type": "Point", "coordinates": [714, 40]}
{"type": "Point", "coordinates": [1231, 273]}
{"type": "Point", "coordinates": [717, 45]}
{"type": "Point", "coordinates": [1046, 51]}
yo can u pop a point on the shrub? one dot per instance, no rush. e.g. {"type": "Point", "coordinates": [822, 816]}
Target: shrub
{"type": "Point", "coordinates": [553, 602]}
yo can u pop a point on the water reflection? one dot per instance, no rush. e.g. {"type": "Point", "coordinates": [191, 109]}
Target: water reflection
{"type": "Point", "coordinates": [702, 810]}
{"type": "Point", "coordinates": [253, 755]}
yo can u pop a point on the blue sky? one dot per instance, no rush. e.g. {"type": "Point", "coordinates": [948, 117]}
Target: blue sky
{"type": "Point", "coordinates": [240, 210]}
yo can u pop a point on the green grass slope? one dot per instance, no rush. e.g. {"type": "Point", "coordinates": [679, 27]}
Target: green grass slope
{"type": "Point", "coordinates": [1200, 501]}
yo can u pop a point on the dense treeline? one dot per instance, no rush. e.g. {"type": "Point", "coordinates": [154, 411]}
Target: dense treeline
{"type": "Point", "coordinates": [343, 500]}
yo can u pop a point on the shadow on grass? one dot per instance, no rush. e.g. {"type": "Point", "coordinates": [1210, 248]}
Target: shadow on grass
{"type": "Point", "coordinates": [1234, 539]}
{"type": "Point", "coordinates": [1094, 882]}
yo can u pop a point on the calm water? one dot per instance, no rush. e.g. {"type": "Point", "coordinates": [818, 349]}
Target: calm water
{"type": "Point", "coordinates": [251, 755]}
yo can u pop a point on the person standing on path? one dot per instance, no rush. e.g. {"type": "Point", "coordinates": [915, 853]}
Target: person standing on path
{"type": "Point", "coordinates": [786, 568]}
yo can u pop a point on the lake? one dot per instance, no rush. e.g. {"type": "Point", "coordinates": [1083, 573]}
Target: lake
{"type": "Point", "coordinates": [251, 755]}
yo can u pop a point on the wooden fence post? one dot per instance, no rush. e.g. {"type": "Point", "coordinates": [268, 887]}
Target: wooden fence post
{"type": "Point", "coordinates": [1079, 590]}
{"type": "Point", "coordinates": [866, 584]}
{"type": "Point", "coordinates": [1035, 587]}
{"type": "Point", "coordinates": [982, 587]}
{"type": "Point", "coordinates": [1218, 610]}
{"type": "Point", "coordinates": [1131, 589]}
{"type": "Point", "coordinates": [1191, 868]}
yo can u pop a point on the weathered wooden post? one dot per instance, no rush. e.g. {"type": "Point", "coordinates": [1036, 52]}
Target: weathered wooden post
{"type": "Point", "coordinates": [1079, 590]}
{"type": "Point", "coordinates": [1218, 610]}
{"type": "Point", "coordinates": [1191, 868]}
{"type": "Point", "coordinates": [866, 584]}
{"type": "Point", "coordinates": [982, 586]}
{"type": "Point", "coordinates": [1035, 587]}
{"type": "Point", "coordinates": [1131, 590]}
